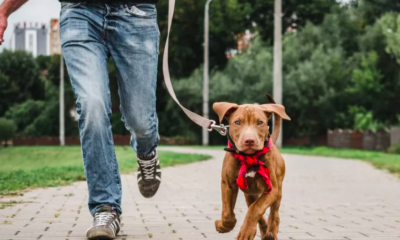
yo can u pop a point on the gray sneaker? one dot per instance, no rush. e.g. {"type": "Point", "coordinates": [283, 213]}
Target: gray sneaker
{"type": "Point", "coordinates": [149, 174]}
{"type": "Point", "coordinates": [106, 224]}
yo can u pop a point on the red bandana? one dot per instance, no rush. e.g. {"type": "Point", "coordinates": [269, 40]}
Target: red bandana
{"type": "Point", "coordinates": [252, 161]}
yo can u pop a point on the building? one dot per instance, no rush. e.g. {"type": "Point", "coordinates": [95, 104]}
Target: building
{"type": "Point", "coordinates": [55, 42]}
{"type": "Point", "coordinates": [32, 38]}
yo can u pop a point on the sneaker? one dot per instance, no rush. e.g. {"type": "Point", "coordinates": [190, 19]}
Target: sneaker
{"type": "Point", "coordinates": [149, 174]}
{"type": "Point", "coordinates": [106, 224]}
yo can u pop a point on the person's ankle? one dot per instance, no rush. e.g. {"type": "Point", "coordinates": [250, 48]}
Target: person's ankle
{"type": "Point", "coordinates": [149, 156]}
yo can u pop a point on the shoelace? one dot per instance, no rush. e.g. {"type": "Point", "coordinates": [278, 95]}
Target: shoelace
{"type": "Point", "coordinates": [102, 218]}
{"type": "Point", "coordinates": [147, 167]}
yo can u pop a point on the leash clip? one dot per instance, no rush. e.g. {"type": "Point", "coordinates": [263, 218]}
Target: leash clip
{"type": "Point", "coordinates": [221, 129]}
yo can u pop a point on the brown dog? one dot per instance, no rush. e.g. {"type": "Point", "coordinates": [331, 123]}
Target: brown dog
{"type": "Point", "coordinates": [249, 131]}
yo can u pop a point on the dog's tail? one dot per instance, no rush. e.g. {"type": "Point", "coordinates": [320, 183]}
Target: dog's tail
{"type": "Point", "coordinates": [277, 128]}
{"type": "Point", "coordinates": [277, 122]}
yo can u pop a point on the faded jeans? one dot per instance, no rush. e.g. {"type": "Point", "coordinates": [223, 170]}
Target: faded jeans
{"type": "Point", "coordinates": [129, 34]}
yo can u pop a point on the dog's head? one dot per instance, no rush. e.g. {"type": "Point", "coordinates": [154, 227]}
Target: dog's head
{"type": "Point", "coordinates": [249, 123]}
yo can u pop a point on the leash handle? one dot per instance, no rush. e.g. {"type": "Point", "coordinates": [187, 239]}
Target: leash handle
{"type": "Point", "coordinates": [199, 120]}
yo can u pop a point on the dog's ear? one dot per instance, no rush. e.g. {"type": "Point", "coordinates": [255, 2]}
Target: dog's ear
{"type": "Point", "coordinates": [224, 109]}
{"type": "Point", "coordinates": [279, 112]}
{"type": "Point", "coordinates": [276, 109]}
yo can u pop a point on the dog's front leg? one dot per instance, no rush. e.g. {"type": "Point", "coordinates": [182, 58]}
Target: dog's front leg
{"type": "Point", "coordinates": [229, 196]}
{"type": "Point", "coordinates": [262, 223]}
{"type": "Point", "coordinates": [257, 210]}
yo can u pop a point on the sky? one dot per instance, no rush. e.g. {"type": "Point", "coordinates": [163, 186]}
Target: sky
{"type": "Point", "coordinates": [35, 11]}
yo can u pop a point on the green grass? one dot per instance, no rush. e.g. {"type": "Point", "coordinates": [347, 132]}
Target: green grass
{"type": "Point", "coordinates": [381, 160]}
{"type": "Point", "coordinates": [29, 167]}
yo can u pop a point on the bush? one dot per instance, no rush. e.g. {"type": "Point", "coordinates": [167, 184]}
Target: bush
{"type": "Point", "coordinates": [25, 113]}
{"type": "Point", "coordinates": [395, 149]}
{"type": "Point", "coordinates": [7, 130]}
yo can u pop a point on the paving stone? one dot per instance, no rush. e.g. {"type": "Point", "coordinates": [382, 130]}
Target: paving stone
{"type": "Point", "coordinates": [323, 198]}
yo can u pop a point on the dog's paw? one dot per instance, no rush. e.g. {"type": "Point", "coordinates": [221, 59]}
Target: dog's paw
{"type": "Point", "coordinates": [247, 233]}
{"type": "Point", "coordinates": [269, 236]}
{"type": "Point", "coordinates": [224, 227]}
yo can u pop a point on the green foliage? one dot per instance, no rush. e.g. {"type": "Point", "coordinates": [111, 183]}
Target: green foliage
{"type": "Point", "coordinates": [364, 120]}
{"type": "Point", "coordinates": [328, 69]}
{"type": "Point", "coordinates": [371, 10]}
{"type": "Point", "coordinates": [186, 50]}
{"type": "Point", "coordinates": [41, 117]}
{"type": "Point", "coordinates": [340, 69]}
{"type": "Point", "coordinates": [7, 89]}
{"type": "Point", "coordinates": [390, 27]}
{"type": "Point", "coordinates": [25, 113]}
{"type": "Point", "coordinates": [366, 79]}
{"type": "Point", "coordinates": [22, 79]}
{"type": "Point", "coordinates": [378, 39]}
{"type": "Point", "coordinates": [7, 129]}
{"type": "Point", "coordinates": [238, 82]}
{"type": "Point", "coordinates": [228, 18]}
{"type": "Point", "coordinates": [262, 14]}
{"type": "Point", "coordinates": [47, 123]}
{"type": "Point", "coordinates": [395, 149]}
{"type": "Point", "coordinates": [43, 62]}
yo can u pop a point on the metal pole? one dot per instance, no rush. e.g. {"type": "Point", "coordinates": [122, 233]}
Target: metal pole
{"type": "Point", "coordinates": [206, 68]}
{"type": "Point", "coordinates": [62, 117]}
{"type": "Point", "coordinates": [278, 59]}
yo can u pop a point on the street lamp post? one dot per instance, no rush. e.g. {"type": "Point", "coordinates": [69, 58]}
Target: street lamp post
{"type": "Point", "coordinates": [62, 117]}
{"type": "Point", "coordinates": [277, 92]}
{"type": "Point", "coordinates": [206, 68]}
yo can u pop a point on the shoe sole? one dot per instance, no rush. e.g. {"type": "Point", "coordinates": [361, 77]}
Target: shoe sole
{"type": "Point", "coordinates": [99, 234]}
{"type": "Point", "coordinates": [148, 194]}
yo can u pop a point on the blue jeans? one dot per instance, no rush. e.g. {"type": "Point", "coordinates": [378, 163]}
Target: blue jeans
{"type": "Point", "coordinates": [129, 34]}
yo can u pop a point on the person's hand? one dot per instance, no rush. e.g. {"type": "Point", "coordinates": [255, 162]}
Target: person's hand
{"type": "Point", "coordinates": [3, 26]}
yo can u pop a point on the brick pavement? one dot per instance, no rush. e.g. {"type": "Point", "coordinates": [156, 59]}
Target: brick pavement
{"type": "Point", "coordinates": [323, 198]}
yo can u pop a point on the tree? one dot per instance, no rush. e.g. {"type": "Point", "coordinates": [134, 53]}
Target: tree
{"type": "Point", "coordinates": [24, 80]}
{"type": "Point", "coordinates": [8, 89]}
{"type": "Point", "coordinates": [372, 10]}
{"type": "Point", "coordinates": [25, 113]}
{"type": "Point", "coordinates": [238, 82]}
{"type": "Point", "coordinates": [227, 19]}
{"type": "Point", "coordinates": [380, 38]}
{"type": "Point", "coordinates": [7, 130]}
{"type": "Point", "coordinates": [43, 62]}
{"type": "Point", "coordinates": [262, 14]}
{"type": "Point", "coordinates": [329, 70]}
{"type": "Point", "coordinates": [41, 117]}
{"type": "Point", "coordinates": [186, 42]}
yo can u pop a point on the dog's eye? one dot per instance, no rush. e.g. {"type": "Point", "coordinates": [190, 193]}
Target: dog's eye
{"type": "Point", "coordinates": [237, 122]}
{"type": "Point", "coordinates": [259, 122]}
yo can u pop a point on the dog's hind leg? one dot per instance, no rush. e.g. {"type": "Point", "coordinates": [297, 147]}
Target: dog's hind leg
{"type": "Point", "coordinates": [228, 220]}
{"type": "Point", "coordinates": [262, 223]}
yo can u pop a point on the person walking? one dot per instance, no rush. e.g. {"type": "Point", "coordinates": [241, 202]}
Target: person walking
{"type": "Point", "coordinates": [91, 32]}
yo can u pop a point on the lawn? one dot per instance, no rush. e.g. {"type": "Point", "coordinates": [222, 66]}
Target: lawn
{"type": "Point", "coordinates": [29, 167]}
{"type": "Point", "coordinates": [381, 160]}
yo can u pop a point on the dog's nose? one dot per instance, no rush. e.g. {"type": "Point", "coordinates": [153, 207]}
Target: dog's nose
{"type": "Point", "coordinates": [249, 142]}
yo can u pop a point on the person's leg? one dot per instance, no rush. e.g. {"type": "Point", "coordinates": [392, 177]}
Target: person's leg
{"type": "Point", "coordinates": [86, 57]}
{"type": "Point", "coordinates": [133, 44]}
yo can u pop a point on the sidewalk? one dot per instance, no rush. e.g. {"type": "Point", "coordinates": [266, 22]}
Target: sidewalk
{"type": "Point", "coordinates": [323, 198]}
